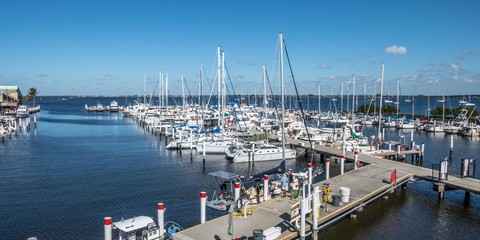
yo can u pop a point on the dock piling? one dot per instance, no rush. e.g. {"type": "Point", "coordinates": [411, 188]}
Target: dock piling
{"type": "Point", "coordinates": [450, 157]}
{"type": "Point", "coordinates": [310, 178]}
{"type": "Point", "coordinates": [107, 224]}
{"type": "Point", "coordinates": [265, 188]}
{"type": "Point", "coordinates": [327, 169]}
{"type": "Point", "coordinates": [237, 191]}
{"type": "Point", "coordinates": [303, 213]}
{"type": "Point", "coordinates": [316, 211]}
{"type": "Point", "coordinates": [342, 164]}
{"type": "Point", "coordinates": [203, 207]}
{"type": "Point", "coordinates": [160, 216]}
{"type": "Point", "coordinates": [355, 161]}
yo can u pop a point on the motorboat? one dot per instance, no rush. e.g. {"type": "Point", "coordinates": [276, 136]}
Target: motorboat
{"type": "Point", "coordinates": [22, 112]}
{"type": "Point", "coordinates": [113, 106]}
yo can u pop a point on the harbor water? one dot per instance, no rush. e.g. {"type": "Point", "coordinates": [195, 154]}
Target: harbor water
{"type": "Point", "coordinates": [60, 179]}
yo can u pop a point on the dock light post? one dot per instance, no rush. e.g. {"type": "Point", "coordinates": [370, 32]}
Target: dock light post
{"type": "Point", "coordinates": [160, 217]}
{"type": "Point", "coordinates": [237, 191]}
{"type": "Point", "coordinates": [342, 164]}
{"type": "Point", "coordinates": [265, 188]}
{"type": "Point", "coordinates": [107, 224]}
{"type": "Point", "coordinates": [327, 169]}
{"type": "Point", "coordinates": [203, 207]}
{"type": "Point", "coordinates": [356, 160]}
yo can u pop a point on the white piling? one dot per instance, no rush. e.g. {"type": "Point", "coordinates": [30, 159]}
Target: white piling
{"type": "Point", "coordinates": [161, 217]}
{"type": "Point", "coordinates": [265, 188]}
{"type": "Point", "coordinates": [451, 143]}
{"type": "Point", "coordinates": [203, 144]}
{"type": "Point", "coordinates": [310, 173]}
{"type": "Point", "coordinates": [398, 151]}
{"type": "Point", "coordinates": [342, 165]}
{"type": "Point", "coordinates": [343, 141]}
{"type": "Point", "coordinates": [423, 149]}
{"type": "Point", "coordinates": [237, 191]}
{"type": "Point", "coordinates": [203, 207]}
{"type": "Point", "coordinates": [303, 210]}
{"type": "Point", "coordinates": [327, 169]}
{"type": "Point", "coordinates": [316, 206]}
{"type": "Point", "coordinates": [107, 224]}
{"type": "Point", "coordinates": [356, 160]}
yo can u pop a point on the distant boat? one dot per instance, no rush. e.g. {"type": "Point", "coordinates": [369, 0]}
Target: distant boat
{"type": "Point", "coordinates": [98, 108]}
{"type": "Point", "coordinates": [388, 101]}
{"type": "Point", "coordinates": [408, 100]}
{"type": "Point", "coordinates": [113, 107]}
{"type": "Point", "coordinates": [465, 103]}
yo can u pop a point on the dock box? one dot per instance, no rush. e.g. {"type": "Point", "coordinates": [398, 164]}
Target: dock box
{"type": "Point", "coordinates": [272, 233]}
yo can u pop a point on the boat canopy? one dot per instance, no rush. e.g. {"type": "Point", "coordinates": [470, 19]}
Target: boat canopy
{"type": "Point", "coordinates": [216, 130]}
{"type": "Point", "coordinates": [223, 175]}
{"type": "Point", "coordinates": [133, 224]}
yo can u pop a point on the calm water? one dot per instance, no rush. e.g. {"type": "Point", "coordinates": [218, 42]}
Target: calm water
{"type": "Point", "coordinates": [59, 180]}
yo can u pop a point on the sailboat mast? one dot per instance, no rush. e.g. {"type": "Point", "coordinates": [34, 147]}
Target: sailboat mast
{"type": "Point", "coordinates": [319, 98]}
{"type": "Point", "coordinates": [398, 96]}
{"type": "Point", "coordinates": [166, 91]}
{"type": "Point", "coordinates": [183, 95]}
{"type": "Point", "coordinates": [219, 78]}
{"type": "Point", "coordinates": [265, 101]}
{"type": "Point", "coordinates": [341, 99]}
{"type": "Point", "coordinates": [381, 100]}
{"type": "Point", "coordinates": [224, 85]}
{"type": "Point", "coordinates": [201, 89]}
{"type": "Point", "coordinates": [144, 89]}
{"type": "Point", "coordinates": [353, 101]}
{"type": "Point", "coordinates": [282, 90]}
{"type": "Point", "coordinates": [160, 91]}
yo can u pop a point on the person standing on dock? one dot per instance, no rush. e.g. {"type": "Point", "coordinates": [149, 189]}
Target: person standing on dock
{"type": "Point", "coordinates": [172, 229]}
{"type": "Point", "coordinates": [284, 180]}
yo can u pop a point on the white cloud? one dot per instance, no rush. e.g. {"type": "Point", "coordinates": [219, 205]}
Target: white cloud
{"type": "Point", "coordinates": [324, 66]}
{"type": "Point", "coordinates": [454, 66]}
{"type": "Point", "coordinates": [464, 53]}
{"type": "Point", "coordinates": [396, 49]}
{"type": "Point", "coordinates": [42, 75]}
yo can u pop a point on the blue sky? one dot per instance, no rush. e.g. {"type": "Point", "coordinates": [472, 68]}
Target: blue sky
{"type": "Point", "coordinates": [106, 47]}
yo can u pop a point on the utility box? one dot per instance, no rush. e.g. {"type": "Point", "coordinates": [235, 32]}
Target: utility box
{"type": "Point", "coordinates": [272, 233]}
{"type": "Point", "coordinates": [468, 168]}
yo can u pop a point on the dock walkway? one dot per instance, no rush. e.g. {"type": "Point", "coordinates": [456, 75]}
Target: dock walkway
{"type": "Point", "coordinates": [366, 184]}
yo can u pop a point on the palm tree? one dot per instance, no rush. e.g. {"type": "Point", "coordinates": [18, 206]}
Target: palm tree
{"type": "Point", "coordinates": [32, 92]}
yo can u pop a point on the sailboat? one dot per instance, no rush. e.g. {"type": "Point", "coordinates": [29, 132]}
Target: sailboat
{"type": "Point", "coordinates": [437, 127]}
{"type": "Point", "coordinates": [261, 151]}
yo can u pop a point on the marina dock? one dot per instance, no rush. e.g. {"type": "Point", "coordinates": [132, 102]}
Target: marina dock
{"type": "Point", "coordinates": [366, 184]}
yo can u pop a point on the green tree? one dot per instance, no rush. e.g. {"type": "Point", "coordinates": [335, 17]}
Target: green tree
{"type": "Point", "coordinates": [32, 93]}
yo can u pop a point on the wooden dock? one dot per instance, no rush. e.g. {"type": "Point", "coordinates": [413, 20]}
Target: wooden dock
{"type": "Point", "coordinates": [366, 184]}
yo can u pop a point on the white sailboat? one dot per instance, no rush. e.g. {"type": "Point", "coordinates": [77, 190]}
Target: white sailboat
{"type": "Point", "coordinates": [263, 151]}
